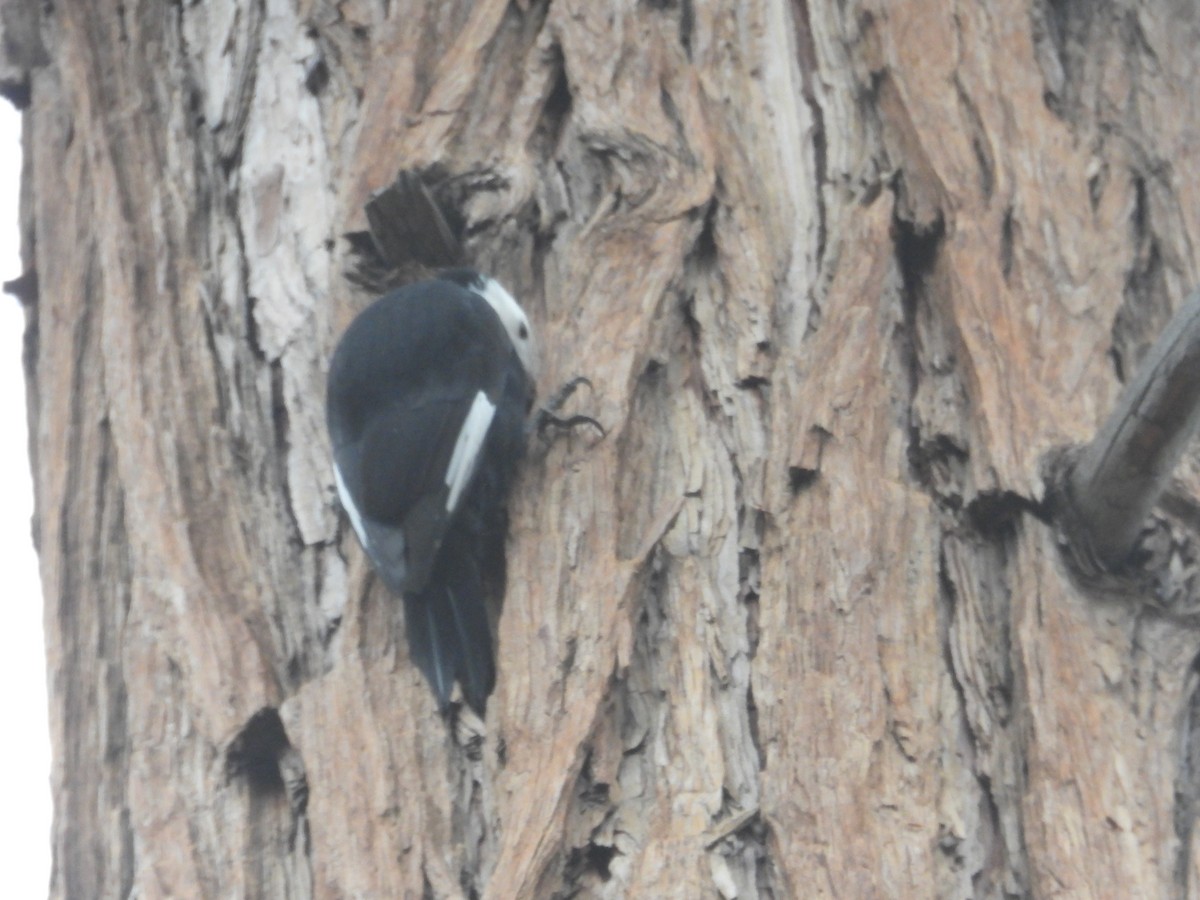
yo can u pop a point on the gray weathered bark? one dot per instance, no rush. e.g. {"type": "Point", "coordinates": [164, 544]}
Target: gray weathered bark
{"type": "Point", "coordinates": [842, 274]}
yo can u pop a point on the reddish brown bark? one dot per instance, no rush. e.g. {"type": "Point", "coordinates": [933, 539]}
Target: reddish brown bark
{"type": "Point", "coordinates": [842, 275]}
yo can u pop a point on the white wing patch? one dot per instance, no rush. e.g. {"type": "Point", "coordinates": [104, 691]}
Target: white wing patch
{"type": "Point", "coordinates": [351, 509]}
{"type": "Point", "coordinates": [466, 449]}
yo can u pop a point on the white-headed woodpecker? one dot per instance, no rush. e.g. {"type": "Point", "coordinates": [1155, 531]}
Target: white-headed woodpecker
{"type": "Point", "coordinates": [426, 403]}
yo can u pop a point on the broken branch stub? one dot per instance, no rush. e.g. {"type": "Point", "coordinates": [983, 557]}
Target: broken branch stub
{"type": "Point", "coordinates": [1117, 479]}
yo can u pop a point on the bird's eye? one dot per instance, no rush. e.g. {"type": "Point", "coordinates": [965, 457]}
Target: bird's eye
{"type": "Point", "coordinates": [523, 331]}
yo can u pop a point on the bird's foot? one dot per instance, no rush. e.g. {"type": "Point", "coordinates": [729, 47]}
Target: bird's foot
{"type": "Point", "coordinates": [547, 417]}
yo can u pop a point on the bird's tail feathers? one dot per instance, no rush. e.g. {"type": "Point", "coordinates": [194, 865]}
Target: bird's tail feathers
{"type": "Point", "coordinates": [448, 633]}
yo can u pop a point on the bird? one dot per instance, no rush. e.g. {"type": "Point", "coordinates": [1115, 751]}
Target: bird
{"type": "Point", "coordinates": [427, 398]}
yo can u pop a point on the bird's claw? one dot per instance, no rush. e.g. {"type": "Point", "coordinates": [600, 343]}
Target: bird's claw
{"type": "Point", "coordinates": [547, 416]}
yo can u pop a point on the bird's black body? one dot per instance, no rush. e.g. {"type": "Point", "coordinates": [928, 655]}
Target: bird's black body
{"type": "Point", "coordinates": [427, 396]}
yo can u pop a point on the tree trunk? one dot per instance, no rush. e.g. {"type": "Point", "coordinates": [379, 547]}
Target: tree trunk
{"type": "Point", "coordinates": [842, 274]}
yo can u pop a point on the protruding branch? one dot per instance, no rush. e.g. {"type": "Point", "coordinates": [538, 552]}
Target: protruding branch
{"type": "Point", "coordinates": [1118, 478]}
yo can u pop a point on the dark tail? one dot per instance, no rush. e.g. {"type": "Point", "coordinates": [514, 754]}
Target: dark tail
{"type": "Point", "coordinates": [448, 633]}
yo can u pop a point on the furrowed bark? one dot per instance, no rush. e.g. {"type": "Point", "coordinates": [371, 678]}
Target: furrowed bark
{"type": "Point", "coordinates": [841, 274]}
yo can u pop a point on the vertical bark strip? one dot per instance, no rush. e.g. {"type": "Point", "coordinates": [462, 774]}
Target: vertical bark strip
{"type": "Point", "coordinates": [841, 273]}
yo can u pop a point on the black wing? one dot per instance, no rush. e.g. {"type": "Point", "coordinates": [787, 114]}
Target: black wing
{"type": "Point", "coordinates": [410, 372]}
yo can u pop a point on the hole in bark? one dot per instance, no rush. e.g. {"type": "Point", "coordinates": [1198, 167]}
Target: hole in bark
{"type": "Point", "coordinates": [805, 470]}
{"type": "Point", "coordinates": [750, 382]}
{"type": "Point", "coordinates": [994, 514]}
{"type": "Point", "coordinates": [591, 858]}
{"type": "Point", "coordinates": [595, 794]}
{"type": "Point", "coordinates": [800, 478]}
{"type": "Point", "coordinates": [916, 250]}
{"type": "Point", "coordinates": [255, 753]}
{"type": "Point", "coordinates": [316, 74]}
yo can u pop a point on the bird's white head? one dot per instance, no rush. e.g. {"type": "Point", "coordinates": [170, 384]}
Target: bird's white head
{"type": "Point", "coordinates": [514, 320]}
